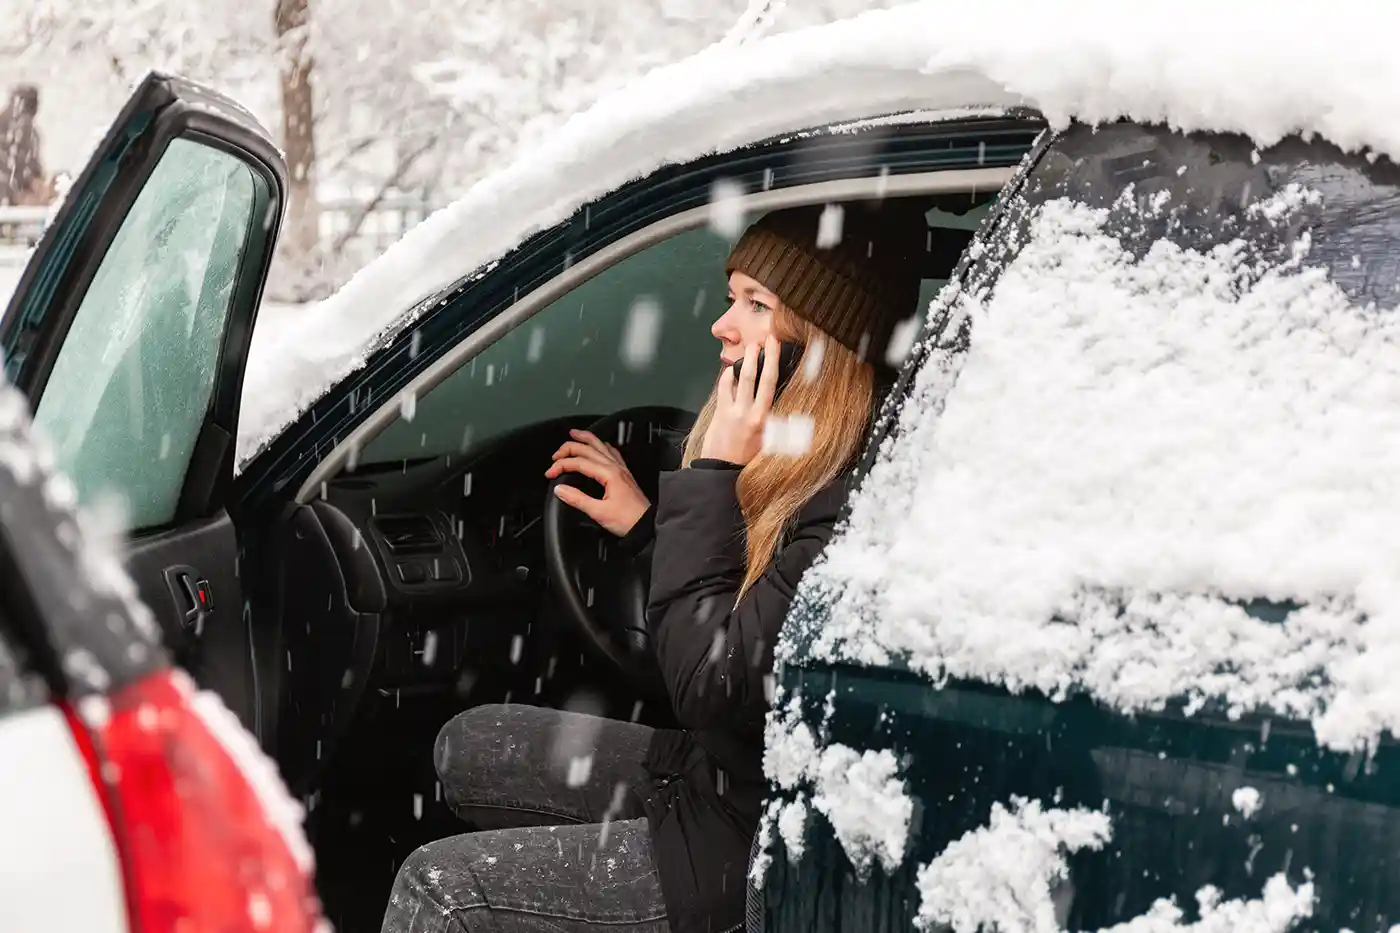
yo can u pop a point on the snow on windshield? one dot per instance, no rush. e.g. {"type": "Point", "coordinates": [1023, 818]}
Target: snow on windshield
{"type": "Point", "coordinates": [1293, 74]}
{"type": "Point", "coordinates": [1132, 449]}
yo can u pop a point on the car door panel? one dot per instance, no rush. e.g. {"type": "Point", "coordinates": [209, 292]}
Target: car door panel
{"type": "Point", "coordinates": [129, 335]}
{"type": "Point", "coordinates": [189, 578]}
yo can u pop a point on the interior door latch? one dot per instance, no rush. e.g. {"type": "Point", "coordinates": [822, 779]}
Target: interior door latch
{"type": "Point", "coordinates": [192, 595]}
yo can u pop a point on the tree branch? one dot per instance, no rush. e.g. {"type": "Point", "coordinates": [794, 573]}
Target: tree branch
{"type": "Point", "coordinates": [404, 166]}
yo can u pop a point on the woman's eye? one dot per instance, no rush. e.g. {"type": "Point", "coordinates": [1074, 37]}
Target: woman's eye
{"type": "Point", "coordinates": [762, 307]}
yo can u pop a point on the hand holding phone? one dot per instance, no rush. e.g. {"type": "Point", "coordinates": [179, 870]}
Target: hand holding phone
{"type": "Point", "coordinates": [788, 354]}
{"type": "Point", "coordinates": [743, 400]}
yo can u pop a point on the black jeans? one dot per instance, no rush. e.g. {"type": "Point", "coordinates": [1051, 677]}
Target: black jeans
{"type": "Point", "coordinates": [565, 846]}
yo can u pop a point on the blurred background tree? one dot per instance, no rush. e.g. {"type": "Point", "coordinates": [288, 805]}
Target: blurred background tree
{"type": "Point", "coordinates": [384, 108]}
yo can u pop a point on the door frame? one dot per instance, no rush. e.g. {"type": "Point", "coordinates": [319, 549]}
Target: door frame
{"type": "Point", "coordinates": [57, 279]}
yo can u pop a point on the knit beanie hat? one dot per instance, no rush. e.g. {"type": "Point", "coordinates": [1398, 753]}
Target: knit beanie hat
{"type": "Point", "coordinates": [855, 284]}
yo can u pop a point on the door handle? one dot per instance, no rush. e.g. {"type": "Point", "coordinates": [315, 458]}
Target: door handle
{"type": "Point", "coordinates": [192, 596]}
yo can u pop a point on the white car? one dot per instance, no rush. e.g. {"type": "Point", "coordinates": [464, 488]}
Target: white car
{"type": "Point", "coordinates": [346, 535]}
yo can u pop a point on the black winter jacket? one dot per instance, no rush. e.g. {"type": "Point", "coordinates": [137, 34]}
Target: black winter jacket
{"type": "Point", "coordinates": [707, 786]}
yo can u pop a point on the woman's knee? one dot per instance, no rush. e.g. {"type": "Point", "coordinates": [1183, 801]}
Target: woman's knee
{"type": "Point", "coordinates": [488, 754]}
{"type": "Point", "coordinates": [459, 734]}
{"type": "Point", "coordinates": [434, 889]}
{"type": "Point", "coordinates": [464, 748]}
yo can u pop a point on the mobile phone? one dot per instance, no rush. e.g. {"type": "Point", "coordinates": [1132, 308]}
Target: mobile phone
{"type": "Point", "coordinates": [787, 366]}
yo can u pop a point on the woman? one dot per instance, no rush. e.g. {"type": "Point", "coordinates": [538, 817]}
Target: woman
{"type": "Point", "coordinates": [640, 829]}
{"type": "Point", "coordinates": [21, 167]}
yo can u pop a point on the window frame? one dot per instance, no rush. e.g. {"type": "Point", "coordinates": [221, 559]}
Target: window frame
{"type": "Point", "coordinates": [905, 144]}
{"type": "Point", "coordinates": [56, 280]}
{"type": "Point", "coordinates": [387, 412]}
{"type": "Point", "coordinates": [217, 406]}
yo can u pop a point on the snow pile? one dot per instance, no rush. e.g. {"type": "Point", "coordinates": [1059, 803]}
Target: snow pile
{"type": "Point", "coordinates": [763, 858]}
{"type": "Point", "coordinates": [858, 792]}
{"type": "Point", "coordinates": [792, 826]}
{"type": "Point", "coordinates": [999, 877]}
{"type": "Point", "coordinates": [1247, 800]}
{"type": "Point", "coordinates": [1278, 911]}
{"type": "Point", "coordinates": [1254, 71]}
{"type": "Point", "coordinates": [1130, 450]}
{"type": "Point", "coordinates": [1002, 877]}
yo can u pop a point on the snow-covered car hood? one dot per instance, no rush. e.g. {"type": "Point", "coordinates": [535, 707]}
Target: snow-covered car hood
{"type": "Point", "coordinates": [1256, 70]}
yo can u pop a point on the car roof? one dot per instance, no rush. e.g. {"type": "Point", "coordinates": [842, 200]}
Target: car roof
{"type": "Point", "coordinates": [931, 57]}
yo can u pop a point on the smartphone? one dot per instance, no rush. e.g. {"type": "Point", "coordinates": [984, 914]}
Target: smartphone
{"type": "Point", "coordinates": [787, 366]}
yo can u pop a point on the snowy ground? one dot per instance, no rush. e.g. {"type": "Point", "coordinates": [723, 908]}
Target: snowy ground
{"type": "Point", "coordinates": [9, 277]}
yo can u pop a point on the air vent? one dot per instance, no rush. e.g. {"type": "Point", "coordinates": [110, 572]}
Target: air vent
{"type": "Point", "coordinates": [410, 534]}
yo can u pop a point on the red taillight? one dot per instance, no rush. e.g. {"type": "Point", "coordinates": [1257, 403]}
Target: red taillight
{"type": "Point", "coordinates": [207, 843]}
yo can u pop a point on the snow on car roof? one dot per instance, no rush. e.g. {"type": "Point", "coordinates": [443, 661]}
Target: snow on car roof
{"type": "Point", "coordinates": [1257, 70]}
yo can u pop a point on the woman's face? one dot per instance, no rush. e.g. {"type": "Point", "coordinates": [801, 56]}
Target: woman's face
{"type": "Point", "coordinates": [749, 320]}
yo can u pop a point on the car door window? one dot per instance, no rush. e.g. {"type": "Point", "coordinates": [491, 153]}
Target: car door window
{"type": "Point", "coordinates": [598, 349]}
{"type": "Point", "coordinates": [125, 402]}
{"type": "Point", "coordinates": [637, 334]}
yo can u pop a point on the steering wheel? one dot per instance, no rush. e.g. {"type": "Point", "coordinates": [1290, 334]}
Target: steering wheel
{"type": "Point", "coordinates": [602, 590]}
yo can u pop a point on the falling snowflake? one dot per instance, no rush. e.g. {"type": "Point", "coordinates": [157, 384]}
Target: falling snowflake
{"type": "Point", "coordinates": [789, 436]}
{"type": "Point", "coordinates": [1247, 800]}
{"type": "Point", "coordinates": [812, 358]}
{"type": "Point", "coordinates": [642, 333]}
{"type": "Point", "coordinates": [727, 208]}
{"type": "Point", "coordinates": [829, 226]}
{"type": "Point", "coordinates": [901, 341]}
{"type": "Point", "coordinates": [579, 770]}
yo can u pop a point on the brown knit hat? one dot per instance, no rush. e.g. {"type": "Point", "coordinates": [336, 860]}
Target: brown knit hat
{"type": "Point", "coordinates": [856, 289]}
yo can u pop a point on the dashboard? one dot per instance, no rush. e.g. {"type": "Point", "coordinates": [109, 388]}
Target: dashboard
{"type": "Point", "coordinates": [427, 579]}
{"type": "Point", "coordinates": [457, 534]}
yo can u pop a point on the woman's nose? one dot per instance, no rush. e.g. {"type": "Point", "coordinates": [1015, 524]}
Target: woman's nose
{"type": "Point", "coordinates": [724, 327]}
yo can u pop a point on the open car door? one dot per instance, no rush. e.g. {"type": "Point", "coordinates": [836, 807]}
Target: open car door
{"type": "Point", "coordinates": [129, 334]}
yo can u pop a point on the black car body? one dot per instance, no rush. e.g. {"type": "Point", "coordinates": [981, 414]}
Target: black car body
{"type": "Point", "coordinates": [1279, 796]}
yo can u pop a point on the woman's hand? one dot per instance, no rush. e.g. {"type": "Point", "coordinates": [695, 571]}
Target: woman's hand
{"type": "Point", "coordinates": [736, 430]}
{"type": "Point", "coordinates": [623, 501]}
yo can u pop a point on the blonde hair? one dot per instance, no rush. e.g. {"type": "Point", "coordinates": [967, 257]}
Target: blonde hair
{"type": "Point", "coordinates": [834, 388]}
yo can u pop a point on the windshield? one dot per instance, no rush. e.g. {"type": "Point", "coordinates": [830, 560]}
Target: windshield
{"type": "Point", "coordinates": [1147, 466]}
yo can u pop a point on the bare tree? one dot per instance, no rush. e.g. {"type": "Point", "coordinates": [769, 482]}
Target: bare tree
{"type": "Point", "coordinates": [374, 97]}
{"type": "Point", "coordinates": [300, 243]}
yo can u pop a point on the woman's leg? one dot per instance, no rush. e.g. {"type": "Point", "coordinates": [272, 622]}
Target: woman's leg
{"type": "Point", "coordinates": [545, 879]}
{"type": "Point", "coordinates": [508, 766]}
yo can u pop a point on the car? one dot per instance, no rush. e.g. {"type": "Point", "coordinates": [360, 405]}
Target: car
{"type": "Point", "coordinates": [338, 524]}
{"type": "Point", "coordinates": [386, 559]}
{"type": "Point", "coordinates": [1105, 640]}
{"type": "Point", "coordinates": [131, 799]}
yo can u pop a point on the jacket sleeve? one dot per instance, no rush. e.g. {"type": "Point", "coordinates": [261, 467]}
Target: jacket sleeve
{"type": "Point", "coordinates": [639, 538]}
{"type": "Point", "coordinates": [716, 656]}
